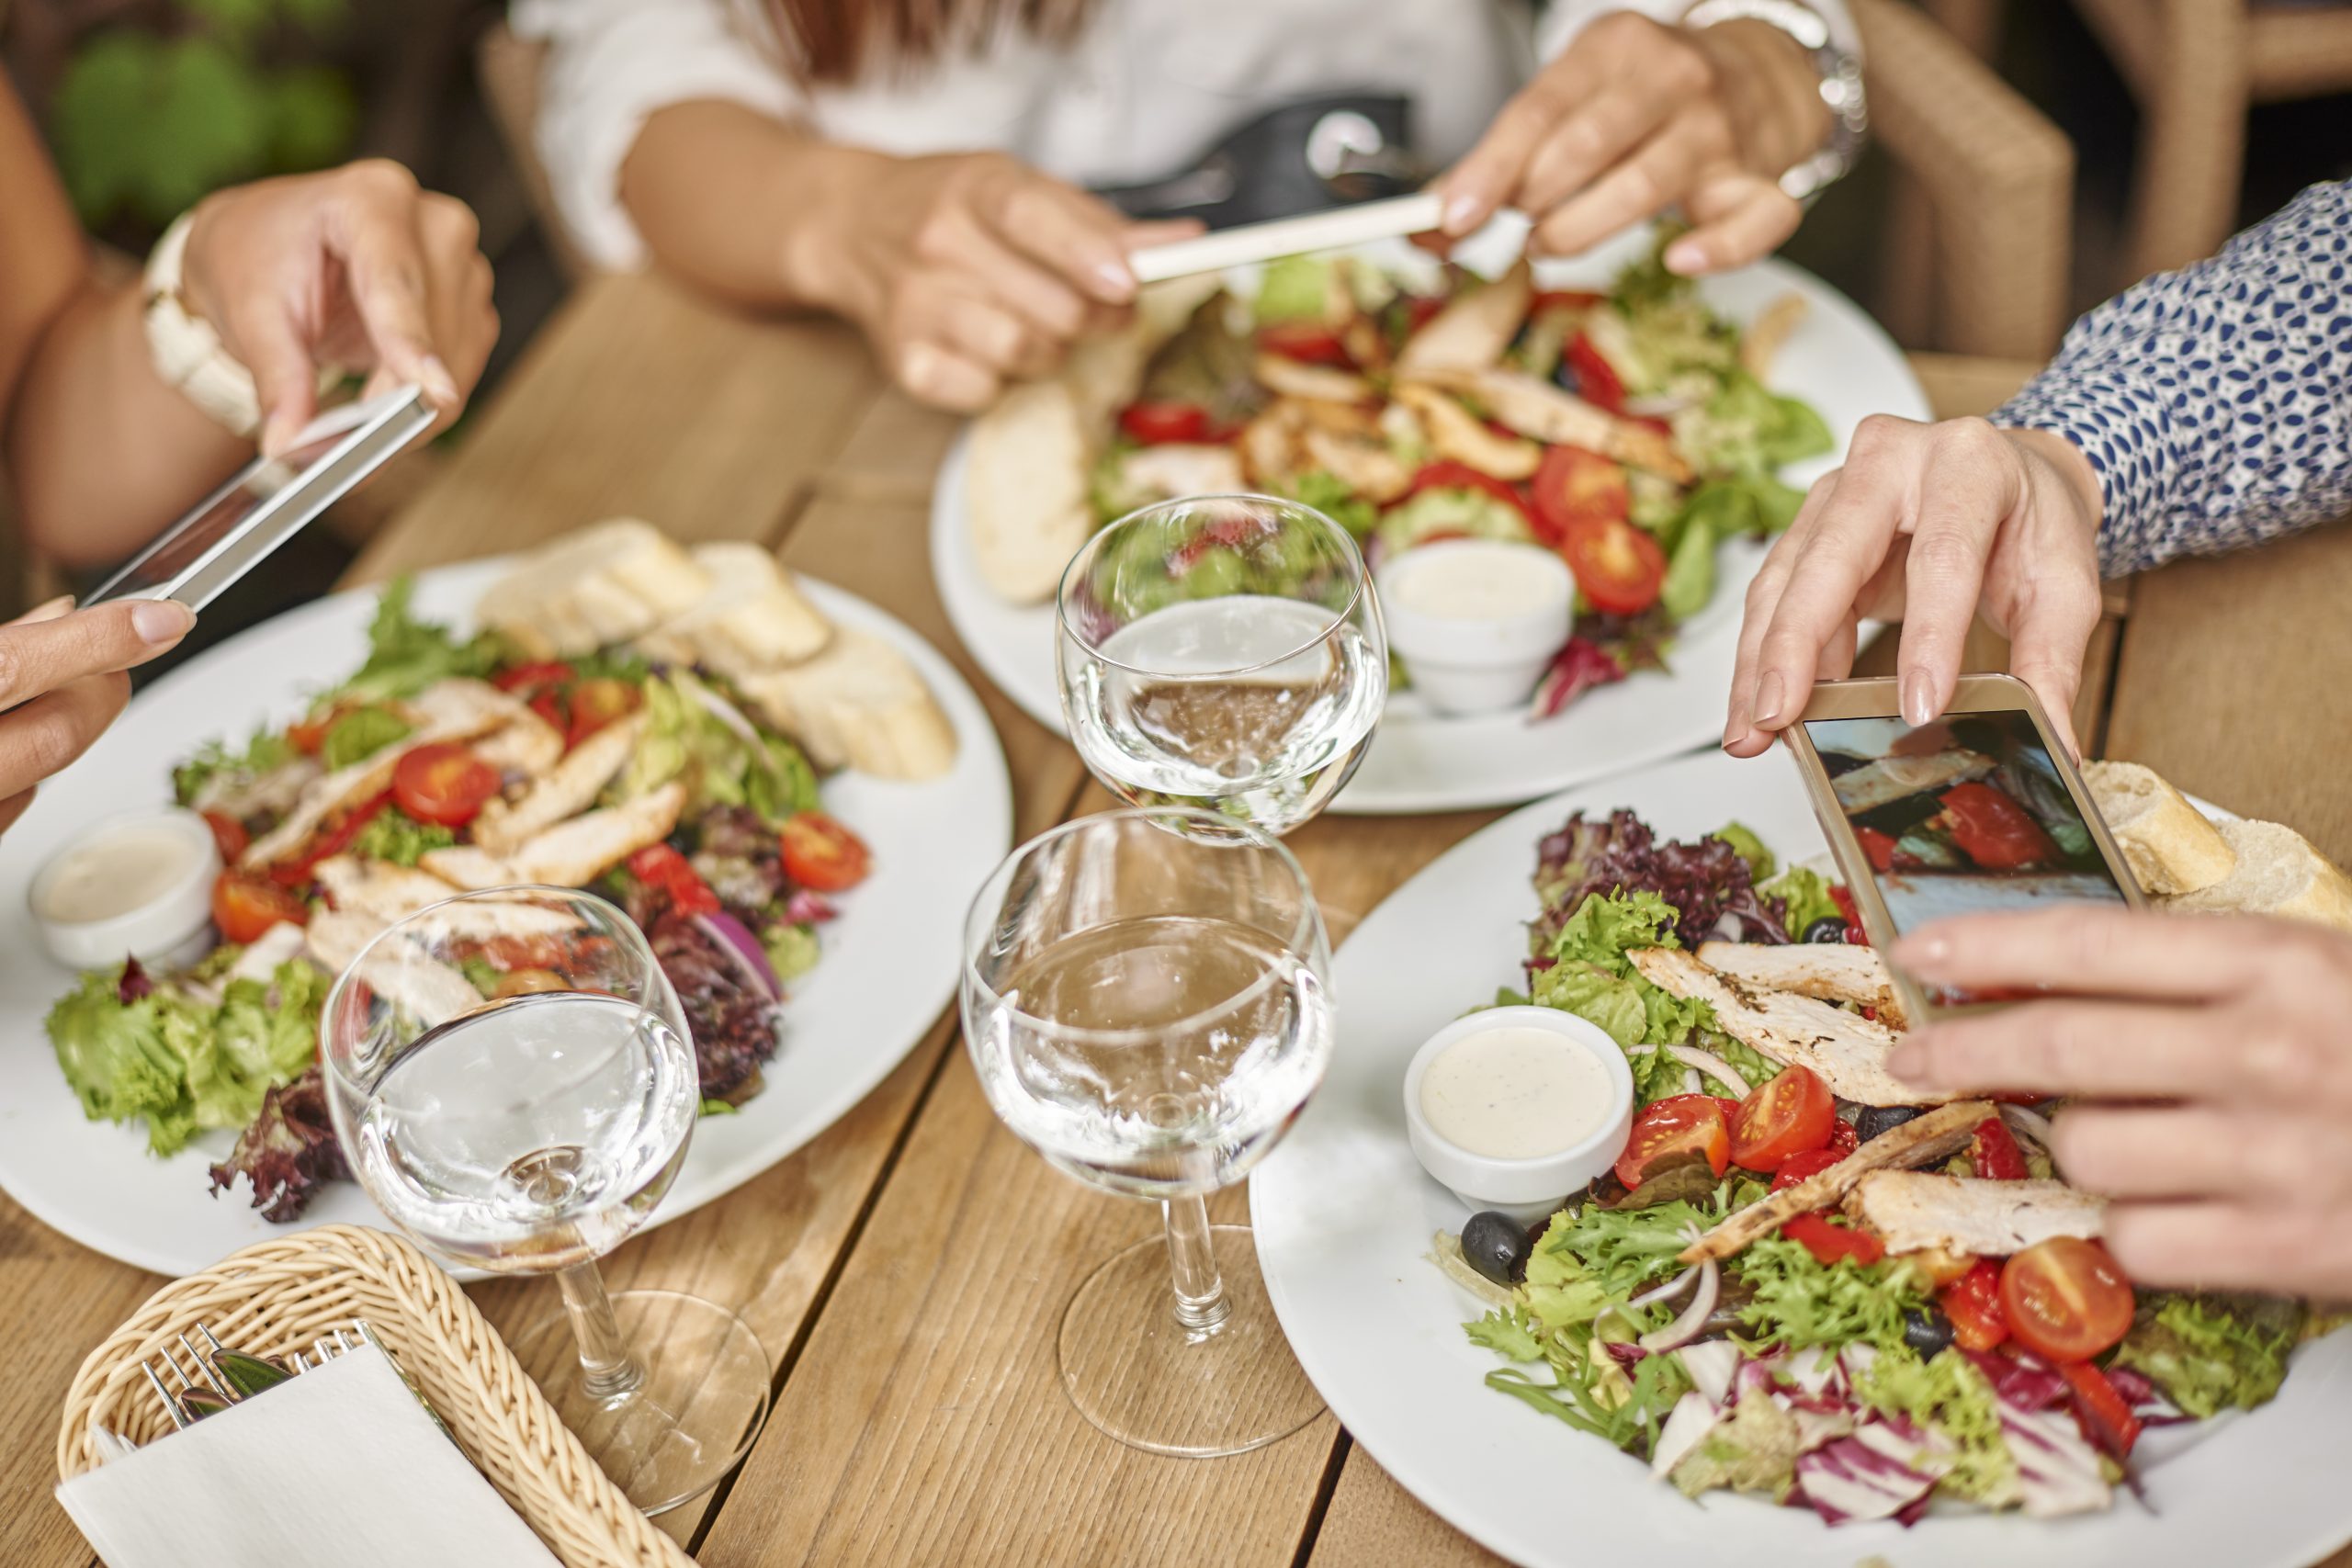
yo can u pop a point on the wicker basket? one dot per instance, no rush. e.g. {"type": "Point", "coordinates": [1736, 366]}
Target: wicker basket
{"type": "Point", "coordinates": [278, 1296]}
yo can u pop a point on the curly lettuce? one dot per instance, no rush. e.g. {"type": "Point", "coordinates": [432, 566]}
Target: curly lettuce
{"type": "Point", "coordinates": [1797, 1301]}
{"type": "Point", "coordinates": [2207, 1354]}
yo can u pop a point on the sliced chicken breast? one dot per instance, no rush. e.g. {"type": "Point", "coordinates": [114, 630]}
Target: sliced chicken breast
{"type": "Point", "coordinates": [1848, 1050]}
{"type": "Point", "coordinates": [1829, 972]}
{"type": "Point", "coordinates": [563, 791]}
{"type": "Point", "coordinates": [401, 972]}
{"type": "Point", "coordinates": [1889, 779]}
{"type": "Point", "coordinates": [572, 853]}
{"type": "Point", "coordinates": [387, 893]}
{"type": "Point", "coordinates": [1913, 1210]}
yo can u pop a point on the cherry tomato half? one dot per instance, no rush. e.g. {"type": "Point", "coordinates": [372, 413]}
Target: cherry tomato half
{"type": "Point", "coordinates": [1993, 829]}
{"type": "Point", "coordinates": [1674, 1129]}
{"type": "Point", "coordinates": [531, 677]}
{"type": "Point", "coordinates": [1597, 381]}
{"type": "Point", "coordinates": [1447, 474]}
{"type": "Point", "coordinates": [1311, 343]}
{"type": "Point", "coordinates": [245, 906]}
{"type": "Point", "coordinates": [819, 854]}
{"type": "Point", "coordinates": [228, 834]}
{"type": "Point", "coordinates": [1789, 1114]}
{"type": "Point", "coordinates": [443, 783]}
{"type": "Point", "coordinates": [1994, 1153]}
{"type": "Point", "coordinates": [1571, 485]}
{"type": "Point", "coordinates": [597, 703]}
{"type": "Point", "coordinates": [661, 867]}
{"type": "Point", "coordinates": [1973, 1304]}
{"type": "Point", "coordinates": [2066, 1299]}
{"type": "Point", "coordinates": [1156, 424]}
{"type": "Point", "coordinates": [1619, 567]}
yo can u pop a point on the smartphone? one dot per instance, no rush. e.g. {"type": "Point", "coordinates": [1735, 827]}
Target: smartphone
{"type": "Point", "coordinates": [237, 526]}
{"type": "Point", "coordinates": [1975, 812]}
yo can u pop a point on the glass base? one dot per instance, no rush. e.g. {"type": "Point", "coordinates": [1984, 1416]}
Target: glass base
{"type": "Point", "coordinates": [1139, 1375]}
{"type": "Point", "coordinates": [691, 1419]}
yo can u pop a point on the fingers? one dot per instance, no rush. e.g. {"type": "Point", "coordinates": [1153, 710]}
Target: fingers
{"type": "Point", "coordinates": [946, 379]}
{"type": "Point", "coordinates": [1491, 171]}
{"type": "Point", "coordinates": [39, 657]}
{"type": "Point", "coordinates": [2114, 1050]}
{"type": "Point", "coordinates": [1741, 737]}
{"type": "Point", "coordinates": [1588, 139]}
{"type": "Point", "coordinates": [375, 231]}
{"type": "Point", "coordinates": [270, 345]}
{"type": "Point", "coordinates": [2049, 633]}
{"type": "Point", "coordinates": [2096, 952]}
{"type": "Point", "coordinates": [1065, 231]}
{"type": "Point", "coordinates": [1651, 179]}
{"type": "Point", "coordinates": [1967, 486]}
{"type": "Point", "coordinates": [14, 807]}
{"type": "Point", "coordinates": [2176, 1152]}
{"type": "Point", "coordinates": [43, 736]}
{"type": "Point", "coordinates": [2264, 1246]}
{"type": "Point", "coordinates": [1739, 217]}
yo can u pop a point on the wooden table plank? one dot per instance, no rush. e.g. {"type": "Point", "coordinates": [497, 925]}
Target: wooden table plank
{"type": "Point", "coordinates": [893, 454]}
{"type": "Point", "coordinates": [1372, 1519]}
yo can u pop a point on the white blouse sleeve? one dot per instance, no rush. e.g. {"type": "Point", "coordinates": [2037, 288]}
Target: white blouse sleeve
{"type": "Point", "coordinates": [1563, 19]}
{"type": "Point", "coordinates": [610, 65]}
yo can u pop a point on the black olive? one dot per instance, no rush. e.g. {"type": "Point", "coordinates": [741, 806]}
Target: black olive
{"type": "Point", "coordinates": [1876, 1118]}
{"type": "Point", "coordinates": [1927, 1329]}
{"type": "Point", "coordinates": [1829, 928]}
{"type": "Point", "coordinates": [1497, 1246]}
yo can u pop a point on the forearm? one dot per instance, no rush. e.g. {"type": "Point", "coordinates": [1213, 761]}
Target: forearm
{"type": "Point", "coordinates": [747, 207]}
{"type": "Point", "coordinates": [102, 455]}
{"type": "Point", "coordinates": [2214, 403]}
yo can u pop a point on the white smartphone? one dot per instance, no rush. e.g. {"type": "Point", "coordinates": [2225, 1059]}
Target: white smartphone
{"type": "Point", "coordinates": [1977, 811]}
{"type": "Point", "coordinates": [237, 526]}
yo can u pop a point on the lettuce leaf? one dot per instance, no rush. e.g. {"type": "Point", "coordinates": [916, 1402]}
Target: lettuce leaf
{"type": "Point", "coordinates": [2206, 1355]}
{"type": "Point", "coordinates": [406, 655]}
{"type": "Point", "coordinates": [1948, 1394]}
{"type": "Point", "coordinates": [393, 835]}
{"type": "Point", "coordinates": [1797, 1301]}
{"type": "Point", "coordinates": [1806, 895]}
{"type": "Point", "coordinates": [359, 734]}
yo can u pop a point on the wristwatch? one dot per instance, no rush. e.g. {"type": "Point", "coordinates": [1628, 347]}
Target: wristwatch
{"type": "Point", "coordinates": [1842, 83]}
{"type": "Point", "coordinates": [187, 354]}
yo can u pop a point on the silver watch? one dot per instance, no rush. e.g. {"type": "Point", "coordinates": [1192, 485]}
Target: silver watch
{"type": "Point", "coordinates": [1842, 83]}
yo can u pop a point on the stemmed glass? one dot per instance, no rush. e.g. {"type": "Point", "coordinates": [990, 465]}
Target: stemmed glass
{"type": "Point", "coordinates": [512, 1081]}
{"type": "Point", "coordinates": [1222, 651]}
{"type": "Point", "coordinates": [1145, 996]}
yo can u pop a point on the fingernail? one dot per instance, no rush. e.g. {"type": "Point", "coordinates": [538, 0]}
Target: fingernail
{"type": "Point", "coordinates": [1117, 280]}
{"type": "Point", "coordinates": [1768, 696]}
{"type": "Point", "coordinates": [161, 622]}
{"type": "Point", "coordinates": [1686, 256]}
{"type": "Point", "coordinates": [1909, 1062]}
{"type": "Point", "coordinates": [439, 385]}
{"type": "Point", "coordinates": [1919, 698]}
{"type": "Point", "coordinates": [1460, 211]}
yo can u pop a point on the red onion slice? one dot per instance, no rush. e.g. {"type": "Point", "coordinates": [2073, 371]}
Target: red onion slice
{"type": "Point", "coordinates": [1684, 1329]}
{"type": "Point", "coordinates": [735, 939]}
{"type": "Point", "coordinates": [1714, 1066]}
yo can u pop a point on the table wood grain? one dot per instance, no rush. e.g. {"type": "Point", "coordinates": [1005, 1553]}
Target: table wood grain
{"type": "Point", "coordinates": [908, 1268]}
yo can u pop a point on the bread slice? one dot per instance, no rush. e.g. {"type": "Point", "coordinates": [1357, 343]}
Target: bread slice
{"type": "Point", "coordinates": [607, 583]}
{"type": "Point", "coordinates": [2278, 873]}
{"type": "Point", "coordinates": [859, 705]}
{"type": "Point", "coordinates": [2167, 842]}
{"type": "Point", "coordinates": [754, 619]}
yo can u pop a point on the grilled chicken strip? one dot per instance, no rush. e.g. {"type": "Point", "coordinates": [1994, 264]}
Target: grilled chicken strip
{"type": "Point", "coordinates": [1829, 972]}
{"type": "Point", "coordinates": [563, 791]}
{"type": "Point", "coordinates": [1914, 1210]}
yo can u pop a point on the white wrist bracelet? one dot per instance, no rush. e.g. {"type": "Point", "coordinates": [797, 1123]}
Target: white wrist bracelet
{"type": "Point", "coordinates": [185, 351]}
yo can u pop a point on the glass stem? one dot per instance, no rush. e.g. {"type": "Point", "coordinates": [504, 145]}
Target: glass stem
{"type": "Point", "coordinates": [608, 1371]}
{"type": "Point", "coordinates": [1201, 1306]}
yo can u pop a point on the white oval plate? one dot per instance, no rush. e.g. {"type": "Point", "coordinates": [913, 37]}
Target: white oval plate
{"type": "Point", "coordinates": [888, 969]}
{"type": "Point", "coordinates": [1838, 359]}
{"type": "Point", "coordinates": [1344, 1217]}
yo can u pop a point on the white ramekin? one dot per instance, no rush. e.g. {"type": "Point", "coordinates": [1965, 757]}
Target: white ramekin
{"type": "Point", "coordinates": [1463, 665]}
{"type": "Point", "coordinates": [156, 930]}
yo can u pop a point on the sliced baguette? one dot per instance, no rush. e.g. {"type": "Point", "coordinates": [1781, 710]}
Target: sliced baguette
{"type": "Point", "coordinates": [2169, 845]}
{"type": "Point", "coordinates": [754, 619]}
{"type": "Point", "coordinates": [2278, 873]}
{"type": "Point", "coordinates": [859, 705]}
{"type": "Point", "coordinates": [607, 583]}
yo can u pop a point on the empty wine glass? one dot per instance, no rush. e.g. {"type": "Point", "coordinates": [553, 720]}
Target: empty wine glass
{"type": "Point", "coordinates": [1145, 996]}
{"type": "Point", "coordinates": [1222, 651]}
{"type": "Point", "coordinates": [511, 1079]}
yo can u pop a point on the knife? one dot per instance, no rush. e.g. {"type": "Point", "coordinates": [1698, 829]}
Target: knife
{"type": "Point", "coordinates": [1344, 226]}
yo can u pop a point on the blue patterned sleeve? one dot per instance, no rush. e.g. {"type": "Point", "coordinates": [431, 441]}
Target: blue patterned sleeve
{"type": "Point", "coordinates": [2215, 403]}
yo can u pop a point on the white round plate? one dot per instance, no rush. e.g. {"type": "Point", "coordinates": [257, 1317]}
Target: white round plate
{"type": "Point", "coordinates": [887, 972]}
{"type": "Point", "coordinates": [1838, 359]}
{"type": "Point", "coordinates": [1344, 1218]}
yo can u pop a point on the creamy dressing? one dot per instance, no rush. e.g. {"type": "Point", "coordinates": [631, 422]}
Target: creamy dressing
{"type": "Point", "coordinates": [1472, 580]}
{"type": "Point", "coordinates": [116, 873]}
{"type": "Point", "coordinates": [1516, 1093]}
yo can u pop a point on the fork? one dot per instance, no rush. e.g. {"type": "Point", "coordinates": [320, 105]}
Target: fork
{"type": "Point", "coordinates": [192, 1404]}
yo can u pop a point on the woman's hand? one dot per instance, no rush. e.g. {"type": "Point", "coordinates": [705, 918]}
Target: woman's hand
{"type": "Point", "coordinates": [2211, 1068]}
{"type": "Point", "coordinates": [62, 683]}
{"type": "Point", "coordinates": [357, 267]}
{"type": "Point", "coordinates": [1927, 524]}
{"type": "Point", "coordinates": [1635, 117]}
{"type": "Point", "coordinates": [971, 270]}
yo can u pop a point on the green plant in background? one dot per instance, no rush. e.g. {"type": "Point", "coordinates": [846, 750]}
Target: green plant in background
{"type": "Point", "coordinates": [145, 123]}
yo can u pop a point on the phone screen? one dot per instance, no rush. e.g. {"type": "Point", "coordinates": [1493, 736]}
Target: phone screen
{"type": "Point", "coordinates": [1962, 815]}
{"type": "Point", "coordinates": [196, 535]}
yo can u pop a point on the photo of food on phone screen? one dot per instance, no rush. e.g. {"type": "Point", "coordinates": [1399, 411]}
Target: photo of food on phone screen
{"type": "Point", "coordinates": [1963, 815]}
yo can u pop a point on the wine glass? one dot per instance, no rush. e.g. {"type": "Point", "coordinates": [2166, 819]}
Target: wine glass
{"type": "Point", "coordinates": [1146, 999]}
{"type": "Point", "coordinates": [512, 1081]}
{"type": "Point", "coordinates": [1224, 651]}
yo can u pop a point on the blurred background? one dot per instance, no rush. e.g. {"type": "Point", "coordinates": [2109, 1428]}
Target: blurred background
{"type": "Point", "coordinates": [149, 104]}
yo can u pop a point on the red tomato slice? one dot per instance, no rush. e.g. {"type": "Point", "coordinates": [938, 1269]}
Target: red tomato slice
{"type": "Point", "coordinates": [229, 833]}
{"type": "Point", "coordinates": [1618, 567]}
{"type": "Point", "coordinates": [2066, 1299]}
{"type": "Point", "coordinates": [1447, 474]}
{"type": "Point", "coordinates": [664, 869]}
{"type": "Point", "coordinates": [1673, 1129]}
{"type": "Point", "coordinates": [333, 841]}
{"type": "Point", "coordinates": [1572, 485]}
{"type": "Point", "coordinates": [1843, 1139]}
{"type": "Point", "coordinates": [443, 783]}
{"type": "Point", "coordinates": [1157, 424]}
{"type": "Point", "coordinates": [1597, 381]}
{"type": "Point", "coordinates": [531, 677]}
{"type": "Point", "coordinates": [1994, 831]}
{"type": "Point", "coordinates": [1309, 342]}
{"type": "Point", "coordinates": [245, 906]}
{"type": "Point", "coordinates": [1995, 1153]}
{"type": "Point", "coordinates": [2099, 1410]}
{"type": "Point", "coordinates": [1796, 1168]}
{"type": "Point", "coordinates": [596, 703]}
{"type": "Point", "coordinates": [820, 852]}
{"type": "Point", "coordinates": [1828, 1242]}
{"type": "Point", "coordinates": [1791, 1114]}
{"type": "Point", "coordinates": [1878, 848]}
{"type": "Point", "coordinates": [1973, 1304]}
{"type": "Point", "coordinates": [309, 734]}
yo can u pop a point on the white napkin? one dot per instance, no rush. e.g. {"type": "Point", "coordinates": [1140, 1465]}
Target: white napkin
{"type": "Point", "coordinates": [339, 1466]}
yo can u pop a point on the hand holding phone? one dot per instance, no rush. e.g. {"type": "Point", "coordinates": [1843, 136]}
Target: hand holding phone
{"type": "Point", "coordinates": [63, 684]}
{"type": "Point", "coordinates": [1976, 812]}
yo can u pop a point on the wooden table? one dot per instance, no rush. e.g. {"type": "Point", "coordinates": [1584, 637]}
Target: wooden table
{"type": "Point", "coordinates": [907, 1268]}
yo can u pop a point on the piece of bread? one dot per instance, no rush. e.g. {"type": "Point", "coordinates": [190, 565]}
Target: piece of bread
{"type": "Point", "coordinates": [2278, 873]}
{"type": "Point", "coordinates": [2167, 842]}
{"type": "Point", "coordinates": [859, 705]}
{"type": "Point", "coordinates": [607, 583]}
{"type": "Point", "coordinates": [754, 619]}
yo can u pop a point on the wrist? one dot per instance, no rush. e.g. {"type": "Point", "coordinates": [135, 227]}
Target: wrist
{"type": "Point", "coordinates": [1771, 91]}
{"type": "Point", "coordinates": [2078, 479]}
{"type": "Point", "coordinates": [820, 260]}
